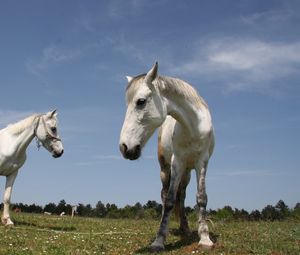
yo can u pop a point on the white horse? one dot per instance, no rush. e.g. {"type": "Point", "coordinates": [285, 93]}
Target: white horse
{"type": "Point", "coordinates": [14, 140]}
{"type": "Point", "coordinates": [185, 142]}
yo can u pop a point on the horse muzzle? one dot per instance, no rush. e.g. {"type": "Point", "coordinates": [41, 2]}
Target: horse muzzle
{"type": "Point", "coordinates": [132, 153]}
{"type": "Point", "coordinates": [57, 154]}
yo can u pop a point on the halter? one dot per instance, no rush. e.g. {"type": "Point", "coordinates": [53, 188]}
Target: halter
{"type": "Point", "coordinates": [49, 134]}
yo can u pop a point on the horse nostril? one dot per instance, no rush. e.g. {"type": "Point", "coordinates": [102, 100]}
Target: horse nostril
{"type": "Point", "coordinates": [138, 148]}
{"type": "Point", "coordinates": [123, 148]}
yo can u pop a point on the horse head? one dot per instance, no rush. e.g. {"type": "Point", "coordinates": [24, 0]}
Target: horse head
{"type": "Point", "coordinates": [46, 133]}
{"type": "Point", "coordinates": [146, 111]}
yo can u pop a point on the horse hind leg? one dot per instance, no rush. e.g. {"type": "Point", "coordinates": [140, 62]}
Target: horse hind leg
{"type": "Point", "coordinates": [179, 205]}
{"type": "Point", "coordinates": [165, 180]}
{"type": "Point", "coordinates": [168, 204]}
{"type": "Point", "coordinates": [164, 158]}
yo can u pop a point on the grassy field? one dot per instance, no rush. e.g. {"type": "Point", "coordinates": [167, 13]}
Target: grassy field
{"type": "Point", "coordinates": [42, 234]}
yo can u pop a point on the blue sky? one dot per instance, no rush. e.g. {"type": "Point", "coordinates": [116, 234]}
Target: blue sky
{"type": "Point", "coordinates": [242, 56]}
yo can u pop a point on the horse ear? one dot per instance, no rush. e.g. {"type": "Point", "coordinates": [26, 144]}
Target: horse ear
{"type": "Point", "coordinates": [129, 78]}
{"type": "Point", "coordinates": [152, 74]}
{"type": "Point", "coordinates": [51, 114]}
{"type": "Point", "coordinates": [54, 113]}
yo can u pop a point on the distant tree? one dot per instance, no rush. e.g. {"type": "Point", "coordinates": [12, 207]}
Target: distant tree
{"type": "Point", "coordinates": [112, 211]}
{"type": "Point", "coordinates": [270, 213]}
{"type": "Point", "coordinates": [34, 209]}
{"type": "Point", "coordinates": [126, 212]}
{"type": "Point", "coordinates": [282, 209]}
{"type": "Point", "coordinates": [51, 207]}
{"type": "Point", "coordinates": [88, 210]}
{"type": "Point", "coordinates": [138, 211]}
{"type": "Point", "coordinates": [151, 204]}
{"type": "Point", "coordinates": [296, 212]}
{"type": "Point", "coordinates": [80, 209]}
{"type": "Point", "coordinates": [151, 213]}
{"type": "Point", "coordinates": [241, 214]}
{"type": "Point", "coordinates": [255, 215]}
{"type": "Point", "coordinates": [61, 207]}
{"type": "Point", "coordinates": [226, 213]}
{"type": "Point", "coordinates": [100, 210]}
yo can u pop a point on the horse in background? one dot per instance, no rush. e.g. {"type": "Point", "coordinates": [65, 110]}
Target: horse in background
{"type": "Point", "coordinates": [185, 142]}
{"type": "Point", "coordinates": [14, 140]}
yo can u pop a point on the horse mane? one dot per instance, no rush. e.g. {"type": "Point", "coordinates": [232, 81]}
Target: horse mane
{"type": "Point", "coordinates": [20, 126]}
{"type": "Point", "coordinates": [168, 85]}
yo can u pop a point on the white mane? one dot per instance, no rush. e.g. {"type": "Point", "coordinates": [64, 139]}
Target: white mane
{"type": "Point", "coordinates": [168, 86]}
{"type": "Point", "coordinates": [20, 126]}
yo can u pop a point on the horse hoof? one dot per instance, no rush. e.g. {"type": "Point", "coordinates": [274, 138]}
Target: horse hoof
{"type": "Point", "coordinates": [157, 247]}
{"type": "Point", "coordinates": [9, 225]}
{"type": "Point", "coordinates": [7, 222]}
{"type": "Point", "coordinates": [206, 244]}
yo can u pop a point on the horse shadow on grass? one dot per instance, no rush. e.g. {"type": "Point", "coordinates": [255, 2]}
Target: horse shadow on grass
{"type": "Point", "coordinates": [183, 242]}
{"type": "Point", "coordinates": [54, 228]}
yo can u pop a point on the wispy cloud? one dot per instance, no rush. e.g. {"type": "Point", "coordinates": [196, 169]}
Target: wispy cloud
{"type": "Point", "coordinates": [243, 63]}
{"type": "Point", "coordinates": [269, 16]}
{"type": "Point", "coordinates": [51, 56]}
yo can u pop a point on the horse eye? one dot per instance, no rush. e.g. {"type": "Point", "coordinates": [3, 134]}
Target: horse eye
{"type": "Point", "coordinates": [141, 102]}
{"type": "Point", "coordinates": [53, 129]}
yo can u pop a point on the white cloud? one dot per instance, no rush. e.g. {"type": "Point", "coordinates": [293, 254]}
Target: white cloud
{"type": "Point", "coordinates": [51, 56]}
{"type": "Point", "coordinates": [243, 64]}
{"type": "Point", "coordinates": [269, 16]}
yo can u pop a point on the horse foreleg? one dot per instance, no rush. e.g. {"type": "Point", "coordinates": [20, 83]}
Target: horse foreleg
{"type": "Point", "coordinates": [176, 173]}
{"type": "Point", "coordinates": [202, 202]}
{"type": "Point", "coordinates": [7, 195]}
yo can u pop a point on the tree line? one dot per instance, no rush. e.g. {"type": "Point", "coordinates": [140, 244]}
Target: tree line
{"type": "Point", "coordinates": [152, 210]}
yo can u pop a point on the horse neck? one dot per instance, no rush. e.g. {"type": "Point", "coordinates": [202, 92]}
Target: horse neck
{"type": "Point", "coordinates": [192, 114]}
{"type": "Point", "coordinates": [25, 135]}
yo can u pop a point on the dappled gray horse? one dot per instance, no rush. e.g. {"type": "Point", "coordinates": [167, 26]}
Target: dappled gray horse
{"type": "Point", "coordinates": [186, 141]}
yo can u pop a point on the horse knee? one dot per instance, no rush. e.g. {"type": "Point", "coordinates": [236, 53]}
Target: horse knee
{"type": "Point", "coordinates": [202, 199]}
{"type": "Point", "coordinates": [169, 205]}
{"type": "Point", "coordinates": [6, 199]}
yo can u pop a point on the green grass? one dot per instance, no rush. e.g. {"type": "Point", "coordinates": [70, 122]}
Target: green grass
{"type": "Point", "coordinates": [42, 234]}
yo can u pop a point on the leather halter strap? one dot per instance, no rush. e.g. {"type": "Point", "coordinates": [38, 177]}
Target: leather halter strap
{"type": "Point", "coordinates": [49, 134]}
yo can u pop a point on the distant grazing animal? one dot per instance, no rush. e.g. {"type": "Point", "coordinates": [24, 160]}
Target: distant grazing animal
{"type": "Point", "coordinates": [17, 210]}
{"type": "Point", "coordinates": [185, 142]}
{"type": "Point", "coordinates": [74, 210]}
{"type": "Point", "coordinates": [62, 214]}
{"type": "Point", "coordinates": [47, 213]}
{"type": "Point", "coordinates": [14, 140]}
